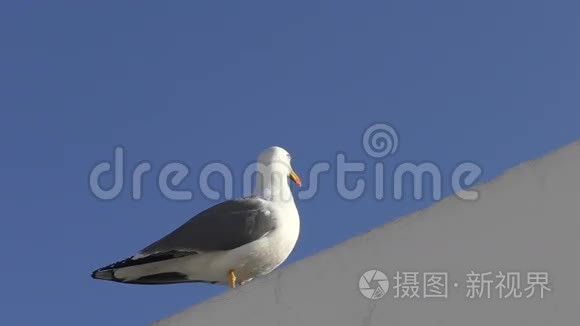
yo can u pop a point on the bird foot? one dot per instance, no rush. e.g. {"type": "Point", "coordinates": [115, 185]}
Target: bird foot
{"type": "Point", "coordinates": [232, 279]}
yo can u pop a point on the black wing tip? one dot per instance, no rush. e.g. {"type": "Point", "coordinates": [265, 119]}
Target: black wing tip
{"type": "Point", "coordinates": [107, 272]}
{"type": "Point", "coordinates": [152, 279]}
{"type": "Point", "coordinates": [103, 274]}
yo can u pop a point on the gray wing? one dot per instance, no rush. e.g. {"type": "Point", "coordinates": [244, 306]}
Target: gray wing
{"type": "Point", "coordinates": [225, 226]}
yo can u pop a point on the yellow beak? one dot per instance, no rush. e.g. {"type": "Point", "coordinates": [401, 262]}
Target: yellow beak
{"type": "Point", "coordinates": [294, 177]}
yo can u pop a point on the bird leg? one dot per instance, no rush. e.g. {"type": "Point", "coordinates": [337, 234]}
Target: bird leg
{"type": "Point", "coordinates": [232, 279]}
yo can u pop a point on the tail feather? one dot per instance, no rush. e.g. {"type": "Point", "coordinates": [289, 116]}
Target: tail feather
{"type": "Point", "coordinates": [145, 270]}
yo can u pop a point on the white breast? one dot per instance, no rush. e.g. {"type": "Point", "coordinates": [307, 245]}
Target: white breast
{"type": "Point", "coordinates": [283, 239]}
{"type": "Point", "coordinates": [264, 255]}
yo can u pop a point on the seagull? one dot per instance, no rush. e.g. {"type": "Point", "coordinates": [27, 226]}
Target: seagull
{"type": "Point", "coordinates": [230, 243]}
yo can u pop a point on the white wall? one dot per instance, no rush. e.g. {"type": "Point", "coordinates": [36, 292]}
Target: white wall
{"type": "Point", "coordinates": [526, 220]}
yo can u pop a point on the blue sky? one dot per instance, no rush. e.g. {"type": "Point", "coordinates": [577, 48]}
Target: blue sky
{"type": "Point", "coordinates": [492, 82]}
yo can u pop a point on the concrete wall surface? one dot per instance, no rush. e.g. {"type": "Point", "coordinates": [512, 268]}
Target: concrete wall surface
{"type": "Point", "coordinates": [526, 222]}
